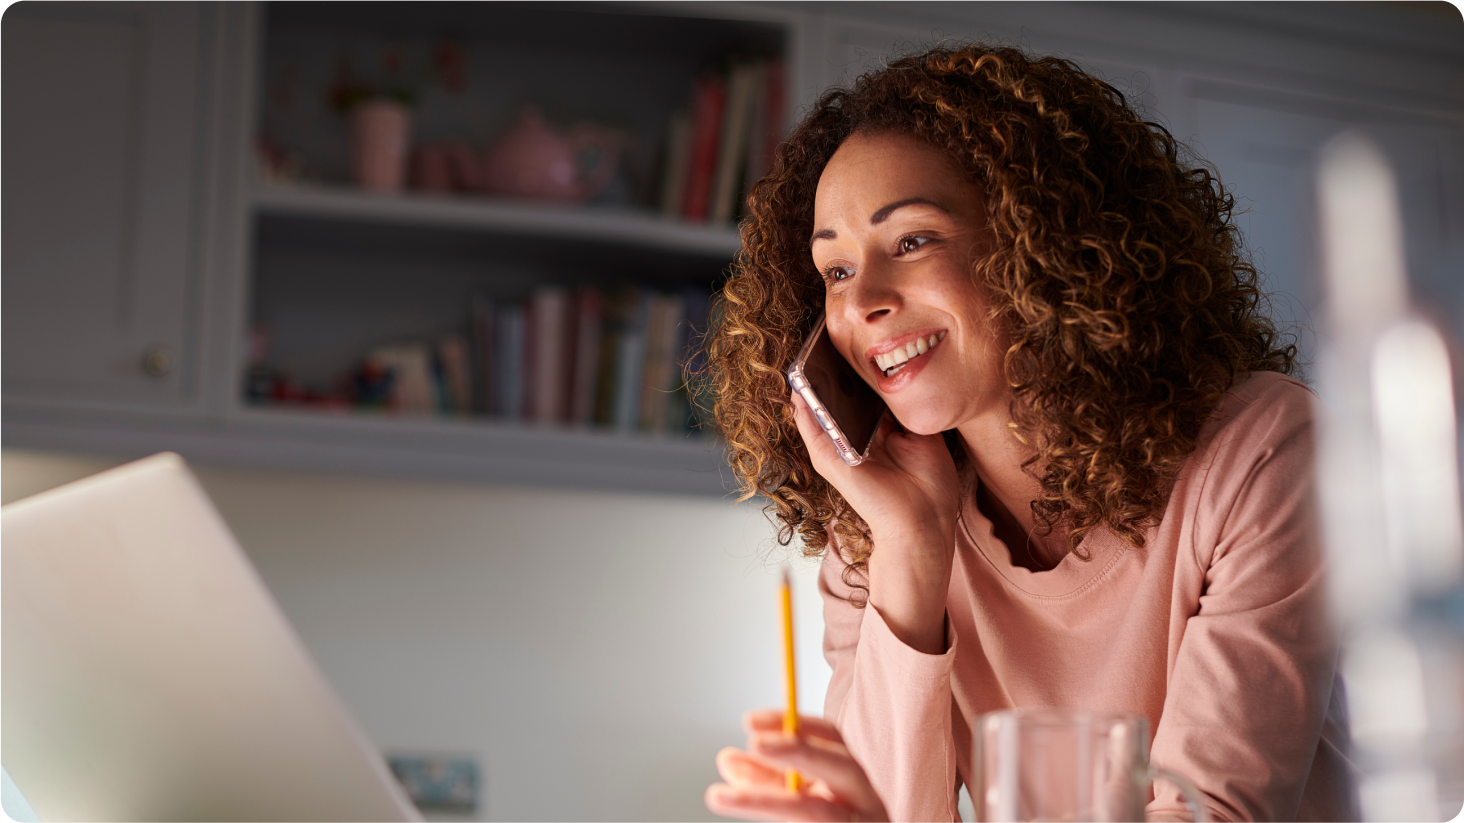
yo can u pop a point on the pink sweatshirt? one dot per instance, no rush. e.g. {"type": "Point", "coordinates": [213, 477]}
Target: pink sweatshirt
{"type": "Point", "coordinates": [1215, 631]}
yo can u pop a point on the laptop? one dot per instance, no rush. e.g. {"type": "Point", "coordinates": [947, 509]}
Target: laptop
{"type": "Point", "coordinates": [147, 673]}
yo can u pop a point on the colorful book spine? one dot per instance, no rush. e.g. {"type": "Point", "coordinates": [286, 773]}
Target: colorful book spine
{"type": "Point", "coordinates": [711, 101]}
{"type": "Point", "coordinates": [742, 94]}
{"type": "Point", "coordinates": [588, 313]}
{"type": "Point", "coordinates": [549, 308]}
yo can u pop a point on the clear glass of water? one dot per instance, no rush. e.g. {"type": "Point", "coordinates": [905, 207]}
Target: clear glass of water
{"type": "Point", "coordinates": [1058, 765]}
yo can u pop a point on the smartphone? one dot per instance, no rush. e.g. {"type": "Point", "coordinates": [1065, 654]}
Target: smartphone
{"type": "Point", "coordinates": [846, 407]}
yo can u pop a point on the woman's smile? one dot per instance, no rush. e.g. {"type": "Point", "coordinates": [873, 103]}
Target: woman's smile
{"type": "Point", "coordinates": [892, 355]}
{"type": "Point", "coordinates": [904, 358]}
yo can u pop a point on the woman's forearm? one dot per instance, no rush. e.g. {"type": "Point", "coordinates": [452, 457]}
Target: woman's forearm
{"type": "Point", "coordinates": [909, 576]}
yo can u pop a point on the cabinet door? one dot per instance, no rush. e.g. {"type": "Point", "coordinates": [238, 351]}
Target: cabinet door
{"type": "Point", "coordinates": [1266, 147]}
{"type": "Point", "coordinates": [102, 193]}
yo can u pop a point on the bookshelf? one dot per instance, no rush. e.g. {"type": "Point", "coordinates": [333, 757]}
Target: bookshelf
{"type": "Point", "coordinates": [338, 278]}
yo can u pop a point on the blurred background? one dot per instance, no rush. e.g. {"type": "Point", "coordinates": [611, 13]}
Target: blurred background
{"type": "Point", "coordinates": [412, 287]}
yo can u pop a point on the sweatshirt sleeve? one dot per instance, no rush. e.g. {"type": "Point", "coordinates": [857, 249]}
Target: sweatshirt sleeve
{"type": "Point", "coordinates": [1250, 684]}
{"type": "Point", "coordinates": [891, 703]}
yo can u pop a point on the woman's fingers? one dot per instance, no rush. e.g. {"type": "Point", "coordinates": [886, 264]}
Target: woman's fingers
{"type": "Point", "coordinates": [825, 760]}
{"type": "Point", "coordinates": [835, 787]}
{"type": "Point", "coordinates": [821, 450]}
{"type": "Point", "coordinates": [776, 804]}
{"type": "Point", "coordinates": [743, 771]}
{"type": "Point", "coordinates": [771, 720]}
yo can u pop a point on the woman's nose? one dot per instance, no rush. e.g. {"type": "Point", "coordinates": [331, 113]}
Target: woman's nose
{"type": "Point", "coordinates": [874, 294]}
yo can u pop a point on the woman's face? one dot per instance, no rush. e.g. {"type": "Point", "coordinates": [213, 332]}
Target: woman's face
{"type": "Point", "coordinates": [897, 231]}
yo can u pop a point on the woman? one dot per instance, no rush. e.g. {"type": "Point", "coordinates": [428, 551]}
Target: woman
{"type": "Point", "coordinates": [1097, 493]}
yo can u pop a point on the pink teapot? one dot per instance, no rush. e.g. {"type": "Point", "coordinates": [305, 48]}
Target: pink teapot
{"type": "Point", "coordinates": [531, 159]}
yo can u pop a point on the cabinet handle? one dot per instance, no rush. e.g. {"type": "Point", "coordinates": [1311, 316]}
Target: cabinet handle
{"type": "Point", "coordinates": [158, 361]}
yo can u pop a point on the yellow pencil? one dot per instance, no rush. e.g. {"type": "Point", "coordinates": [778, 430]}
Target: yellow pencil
{"type": "Point", "coordinates": [790, 717]}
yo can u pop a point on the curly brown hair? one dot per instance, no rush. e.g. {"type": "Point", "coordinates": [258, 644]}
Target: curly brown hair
{"type": "Point", "coordinates": [1118, 279]}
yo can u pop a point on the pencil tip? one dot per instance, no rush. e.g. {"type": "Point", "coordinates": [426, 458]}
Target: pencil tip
{"type": "Point", "coordinates": [787, 576]}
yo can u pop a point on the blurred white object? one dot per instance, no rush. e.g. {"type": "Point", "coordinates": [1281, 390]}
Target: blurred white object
{"type": "Point", "coordinates": [150, 675]}
{"type": "Point", "coordinates": [1388, 477]}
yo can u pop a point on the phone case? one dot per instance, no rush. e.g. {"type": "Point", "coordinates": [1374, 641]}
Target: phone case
{"type": "Point", "coordinates": [799, 381]}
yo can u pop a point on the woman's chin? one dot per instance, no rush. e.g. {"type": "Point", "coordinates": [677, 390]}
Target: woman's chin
{"type": "Point", "coordinates": [923, 422]}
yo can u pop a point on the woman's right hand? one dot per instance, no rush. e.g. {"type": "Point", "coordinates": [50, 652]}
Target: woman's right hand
{"type": "Point", "coordinates": [835, 788]}
{"type": "Point", "coordinates": [909, 494]}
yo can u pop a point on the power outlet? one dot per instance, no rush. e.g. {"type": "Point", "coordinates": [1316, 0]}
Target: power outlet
{"type": "Point", "coordinates": [438, 782]}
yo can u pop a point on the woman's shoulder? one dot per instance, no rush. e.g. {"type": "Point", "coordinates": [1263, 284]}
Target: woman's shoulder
{"type": "Point", "coordinates": [1266, 420]}
{"type": "Point", "coordinates": [1260, 406]}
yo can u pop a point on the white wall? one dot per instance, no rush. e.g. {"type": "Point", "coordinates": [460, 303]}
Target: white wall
{"type": "Point", "coordinates": [592, 650]}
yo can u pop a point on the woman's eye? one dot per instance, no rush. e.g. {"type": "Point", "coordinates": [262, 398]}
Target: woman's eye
{"type": "Point", "coordinates": [836, 273]}
{"type": "Point", "coordinates": [910, 243]}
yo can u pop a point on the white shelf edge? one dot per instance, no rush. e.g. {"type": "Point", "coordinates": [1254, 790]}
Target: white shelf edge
{"type": "Point", "coordinates": [376, 424]}
{"type": "Point", "coordinates": [425, 448]}
{"type": "Point", "coordinates": [494, 214]}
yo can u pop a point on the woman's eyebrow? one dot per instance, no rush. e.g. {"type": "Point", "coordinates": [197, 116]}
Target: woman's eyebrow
{"type": "Point", "coordinates": [882, 215]}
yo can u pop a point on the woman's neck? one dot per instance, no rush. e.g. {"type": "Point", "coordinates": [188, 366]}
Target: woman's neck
{"type": "Point", "coordinates": [1005, 493]}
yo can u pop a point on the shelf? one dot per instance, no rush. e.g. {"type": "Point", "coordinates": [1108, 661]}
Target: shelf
{"type": "Point", "coordinates": [419, 448]}
{"type": "Point", "coordinates": [578, 223]}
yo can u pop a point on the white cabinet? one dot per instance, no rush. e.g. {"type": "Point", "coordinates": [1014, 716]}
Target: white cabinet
{"type": "Point", "coordinates": [103, 154]}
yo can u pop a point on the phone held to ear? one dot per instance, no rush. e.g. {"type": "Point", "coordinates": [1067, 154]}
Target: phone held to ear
{"type": "Point", "coordinates": [845, 406]}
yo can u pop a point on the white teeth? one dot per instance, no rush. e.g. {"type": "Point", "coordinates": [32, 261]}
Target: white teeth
{"type": "Point", "coordinates": [895, 360]}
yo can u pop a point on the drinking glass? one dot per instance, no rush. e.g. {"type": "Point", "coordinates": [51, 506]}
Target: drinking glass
{"type": "Point", "coordinates": [1053, 764]}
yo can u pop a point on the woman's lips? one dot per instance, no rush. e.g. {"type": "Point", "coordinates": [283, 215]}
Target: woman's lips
{"type": "Point", "coordinates": [895, 354]}
{"type": "Point", "coordinates": [906, 373]}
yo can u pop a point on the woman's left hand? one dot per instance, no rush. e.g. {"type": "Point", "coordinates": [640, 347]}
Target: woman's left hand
{"type": "Point", "coordinates": [835, 788]}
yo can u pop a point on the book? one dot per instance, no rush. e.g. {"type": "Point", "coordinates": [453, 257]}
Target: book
{"type": "Point", "coordinates": [677, 155]}
{"type": "Point", "coordinates": [455, 377]}
{"type": "Point", "coordinates": [509, 361]}
{"type": "Point", "coordinates": [710, 101]}
{"type": "Point", "coordinates": [627, 358]}
{"type": "Point", "coordinates": [755, 161]}
{"type": "Point", "coordinates": [685, 412]}
{"type": "Point", "coordinates": [766, 129]}
{"type": "Point", "coordinates": [548, 350]}
{"type": "Point", "coordinates": [742, 94]}
{"type": "Point", "coordinates": [480, 324]}
{"type": "Point", "coordinates": [658, 374]}
{"type": "Point", "coordinates": [587, 314]}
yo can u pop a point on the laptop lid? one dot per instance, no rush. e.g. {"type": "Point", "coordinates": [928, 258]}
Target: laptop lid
{"type": "Point", "coordinates": [148, 674]}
